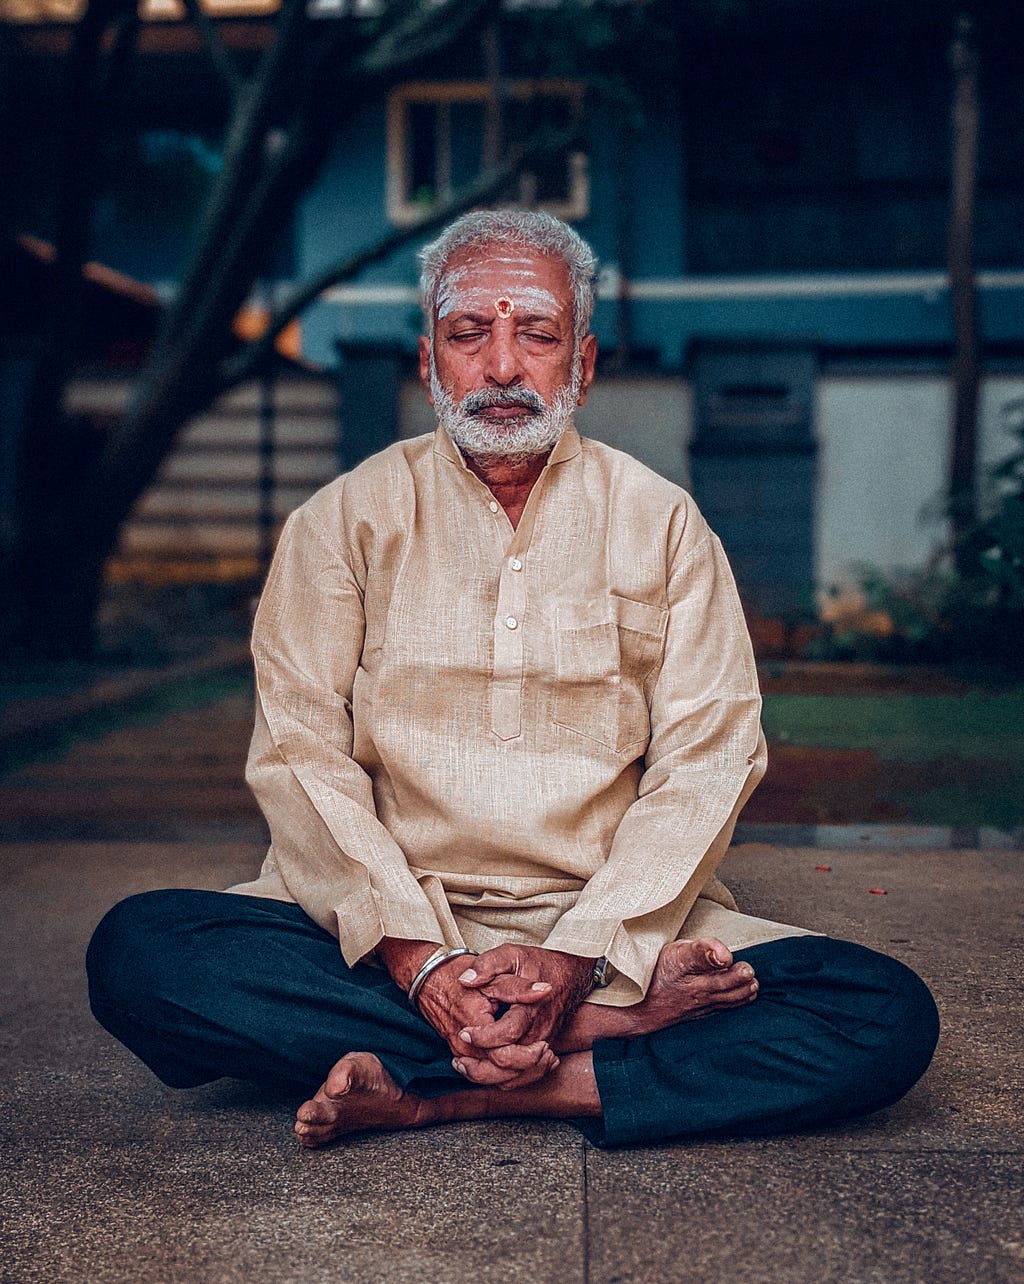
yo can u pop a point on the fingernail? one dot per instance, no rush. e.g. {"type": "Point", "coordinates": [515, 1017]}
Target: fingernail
{"type": "Point", "coordinates": [468, 975]}
{"type": "Point", "coordinates": [465, 1036]}
{"type": "Point", "coordinates": [540, 985]}
{"type": "Point", "coordinates": [457, 1065]}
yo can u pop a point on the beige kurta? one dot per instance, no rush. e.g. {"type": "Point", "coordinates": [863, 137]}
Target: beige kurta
{"type": "Point", "coordinates": [469, 734]}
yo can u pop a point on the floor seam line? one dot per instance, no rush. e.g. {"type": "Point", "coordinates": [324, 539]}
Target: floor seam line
{"type": "Point", "coordinates": [586, 1215]}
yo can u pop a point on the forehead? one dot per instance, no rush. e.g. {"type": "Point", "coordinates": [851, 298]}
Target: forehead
{"type": "Point", "coordinates": [482, 273]}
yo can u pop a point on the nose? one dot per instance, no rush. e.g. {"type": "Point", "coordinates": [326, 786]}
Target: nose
{"type": "Point", "coordinates": [502, 366]}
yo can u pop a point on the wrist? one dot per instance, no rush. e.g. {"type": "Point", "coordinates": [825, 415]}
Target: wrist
{"type": "Point", "coordinates": [583, 972]}
{"type": "Point", "coordinates": [430, 966]}
{"type": "Point", "coordinates": [403, 959]}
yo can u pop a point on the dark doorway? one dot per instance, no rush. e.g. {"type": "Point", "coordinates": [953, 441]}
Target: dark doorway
{"type": "Point", "coordinates": [752, 461]}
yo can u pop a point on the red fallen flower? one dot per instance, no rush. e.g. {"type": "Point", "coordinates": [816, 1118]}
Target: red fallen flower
{"type": "Point", "coordinates": [823, 869]}
{"type": "Point", "coordinates": [877, 891]}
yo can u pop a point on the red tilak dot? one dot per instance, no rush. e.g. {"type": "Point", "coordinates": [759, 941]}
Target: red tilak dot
{"type": "Point", "coordinates": [823, 869]}
{"type": "Point", "coordinates": [877, 891]}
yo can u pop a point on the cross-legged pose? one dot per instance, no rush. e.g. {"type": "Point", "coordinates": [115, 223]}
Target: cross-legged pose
{"type": "Point", "coordinates": [507, 714]}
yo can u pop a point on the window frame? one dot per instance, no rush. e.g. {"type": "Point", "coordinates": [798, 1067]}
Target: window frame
{"type": "Point", "coordinates": [404, 212]}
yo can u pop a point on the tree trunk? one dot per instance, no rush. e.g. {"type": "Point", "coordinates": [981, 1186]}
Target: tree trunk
{"type": "Point", "coordinates": [50, 553]}
{"type": "Point", "coordinates": [965, 374]}
{"type": "Point", "coordinates": [75, 488]}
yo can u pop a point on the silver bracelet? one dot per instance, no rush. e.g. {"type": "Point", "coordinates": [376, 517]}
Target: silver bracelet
{"type": "Point", "coordinates": [439, 956]}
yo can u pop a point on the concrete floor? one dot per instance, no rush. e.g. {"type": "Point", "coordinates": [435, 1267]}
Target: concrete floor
{"type": "Point", "coordinates": [108, 1176]}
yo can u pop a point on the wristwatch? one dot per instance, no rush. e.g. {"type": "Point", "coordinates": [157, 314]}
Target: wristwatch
{"type": "Point", "coordinates": [602, 974]}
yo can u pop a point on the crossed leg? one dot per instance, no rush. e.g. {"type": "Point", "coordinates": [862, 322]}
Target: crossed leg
{"type": "Point", "coordinates": [202, 985]}
{"type": "Point", "coordinates": [692, 979]}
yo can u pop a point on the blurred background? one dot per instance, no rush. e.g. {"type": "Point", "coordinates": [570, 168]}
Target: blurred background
{"type": "Point", "coordinates": [809, 219]}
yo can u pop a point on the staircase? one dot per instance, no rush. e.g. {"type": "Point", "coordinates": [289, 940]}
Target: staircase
{"type": "Point", "coordinates": [201, 518]}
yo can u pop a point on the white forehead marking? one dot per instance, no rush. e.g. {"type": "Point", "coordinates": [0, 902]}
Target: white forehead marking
{"type": "Point", "coordinates": [453, 296]}
{"type": "Point", "coordinates": [446, 289]}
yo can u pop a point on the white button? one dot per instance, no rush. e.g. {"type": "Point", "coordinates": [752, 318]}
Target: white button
{"type": "Point", "coordinates": [493, 506]}
{"type": "Point", "coordinates": [511, 622]}
{"type": "Point", "coordinates": [516, 564]}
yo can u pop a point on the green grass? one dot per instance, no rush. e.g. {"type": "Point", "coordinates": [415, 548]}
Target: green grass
{"type": "Point", "coordinates": [54, 742]}
{"type": "Point", "coordinates": [949, 760]}
{"type": "Point", "coordinates": [911, 728]}
{"type": "Point", "coordinates": [956, 760]}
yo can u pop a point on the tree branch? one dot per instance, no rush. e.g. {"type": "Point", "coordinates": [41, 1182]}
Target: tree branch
{"type": "Point", "coordinates": [219, 55]}
{"type": "Point", "coordinates": [244, 154]}
{"type": "Point", "coordinates": [425, 29]}
{"type": "Point", "coordinates": [250, 361]}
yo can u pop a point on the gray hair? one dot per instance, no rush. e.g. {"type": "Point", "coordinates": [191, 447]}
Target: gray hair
{"type": "Point", "coordinates": [524, 229]}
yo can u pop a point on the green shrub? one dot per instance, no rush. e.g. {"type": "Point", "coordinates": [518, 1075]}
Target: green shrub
{"type": "Point", "coordinates": [941, 614]}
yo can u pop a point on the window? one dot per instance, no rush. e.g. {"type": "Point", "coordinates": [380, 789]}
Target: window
{"type": "Point", "coordinates": [443, 135]}
{"type": "Point", "coordinates": [820, 157]}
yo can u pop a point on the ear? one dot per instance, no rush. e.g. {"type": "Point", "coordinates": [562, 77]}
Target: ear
{"type": "Point", "coordinates": [588, 359]}
{"type": "Point", "coordinates": [425, 366]}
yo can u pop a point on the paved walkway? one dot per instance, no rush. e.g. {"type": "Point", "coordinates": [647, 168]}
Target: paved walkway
{"type": "Point", "coordinates": [175, 776]}
{"type": "Point", "coordinates": [108, 1176]}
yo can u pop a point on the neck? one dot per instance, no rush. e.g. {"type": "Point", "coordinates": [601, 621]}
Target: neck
{"type": "Point", "coordinates": [509, 480]}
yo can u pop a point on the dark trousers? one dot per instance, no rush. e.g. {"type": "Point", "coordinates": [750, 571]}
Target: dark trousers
{"type": "Point", "coordinates": [201, 985]}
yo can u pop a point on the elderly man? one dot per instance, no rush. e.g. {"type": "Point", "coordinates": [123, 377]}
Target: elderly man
{"type": "Point", "coordinates": [507, 714]}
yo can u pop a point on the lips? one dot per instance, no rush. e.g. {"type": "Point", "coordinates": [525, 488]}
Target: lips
{"type": "Point", "coordinates": [515, 411]}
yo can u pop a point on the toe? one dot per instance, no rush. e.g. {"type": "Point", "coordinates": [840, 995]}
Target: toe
{"type": "Point", "coordinates": [314, 1138]}
{"type": "Point", "coordinates": [716, 954]}
{"type": "Point", "coordinates": [319, 1111]}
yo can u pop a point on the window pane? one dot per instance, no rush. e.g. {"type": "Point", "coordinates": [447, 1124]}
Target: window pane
{"type": "Point", "coordinates": [422, 119]}
{"type": "Point", "coordinates": [467, 125]}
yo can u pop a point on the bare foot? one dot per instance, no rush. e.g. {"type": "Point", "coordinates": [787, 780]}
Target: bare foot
{"type": "Point", "coordinates": [691, 979]}
{"type": "Point", "coordinates": [358, 1094]}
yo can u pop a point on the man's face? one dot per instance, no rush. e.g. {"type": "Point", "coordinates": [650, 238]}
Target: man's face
{"type": "Point", "coordinates": [503, 372]}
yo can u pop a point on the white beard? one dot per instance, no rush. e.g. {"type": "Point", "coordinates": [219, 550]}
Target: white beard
{"type": "Point", "coordinates": [535, 432]}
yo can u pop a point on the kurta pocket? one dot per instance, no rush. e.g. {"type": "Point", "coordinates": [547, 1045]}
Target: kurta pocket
{"type": "Point", "coordinates": [603, 657]}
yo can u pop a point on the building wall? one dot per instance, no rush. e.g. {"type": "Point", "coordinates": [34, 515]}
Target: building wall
{"type": "Point", "coordinates": [882, 466]}
{"type": "Point", "coordinates": [638, 224]}
{"type": "Point", "coordinates": [882, 448]}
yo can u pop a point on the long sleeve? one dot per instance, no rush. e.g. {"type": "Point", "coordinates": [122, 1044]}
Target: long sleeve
{"type": "Point", "coordinates": [328, 849]}
{"type": "Point", "coordinates": [450, 712]}
{"type": "Point", "coordinates": [705, 757]}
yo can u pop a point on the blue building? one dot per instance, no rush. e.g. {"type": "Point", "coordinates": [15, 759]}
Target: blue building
{"type": "Point", "coordinates": [770, 207]}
